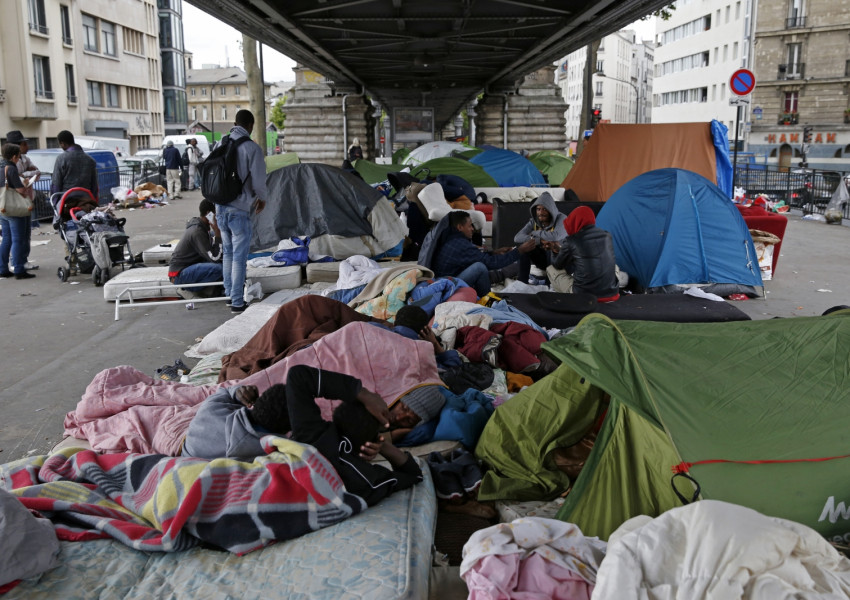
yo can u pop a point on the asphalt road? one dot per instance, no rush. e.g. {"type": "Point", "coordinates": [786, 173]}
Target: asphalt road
{"type": "Point", "coordinates": [57, 336]}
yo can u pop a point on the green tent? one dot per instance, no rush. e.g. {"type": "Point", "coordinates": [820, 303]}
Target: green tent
{"type": "Point", "coordinates": [399, 155]}
{"type": "Point", "coordinates": [475, 175]}
{"type": "Point", "coordinates": [374, 173]}
{"type": "Point", "coordinates": [772, 390]}
{"type": "Point", "coordinates": [276, 161]}
{"type": "Point", "coordinates": [552, 164]}
{"type": "Point", "coordinates": [467, 154]}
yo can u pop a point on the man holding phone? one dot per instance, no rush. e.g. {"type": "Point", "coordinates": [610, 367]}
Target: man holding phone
{"type": "Point", "coordinates": [197, 257]}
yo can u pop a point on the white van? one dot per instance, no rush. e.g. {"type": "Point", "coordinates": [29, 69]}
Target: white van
{"type": "Point", "coordinates": [120, 147]}
{"type": "Point", "coordinates": [180, 143]}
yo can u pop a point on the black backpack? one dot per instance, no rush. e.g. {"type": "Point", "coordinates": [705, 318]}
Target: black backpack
{"type": "Point", "coordinates": [219, 178]}
{"type": "Point", "coordinates": [185, 158]}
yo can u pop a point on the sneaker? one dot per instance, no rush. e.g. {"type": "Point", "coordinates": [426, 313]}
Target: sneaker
{"type": "Point", "coordinates": [468, 469]}
{"type": "Point", "coordinates": [5, 274]}
{"type": "Point", "coordinates": [238, 309]}
{"type": "Point", "coordinates": [24, 275]}
{"type": "Point", "coordinates": [229, 303]}
{"type": "Point", "coordinates": [447, 483]}
{"type": "Point", "coordinates": [30, 266]}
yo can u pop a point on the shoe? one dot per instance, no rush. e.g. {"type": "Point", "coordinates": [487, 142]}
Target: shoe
{"type": "Point", "coordinates": [4, 274]}
{"type": "Point", "coordinates": [30, 266]}
{"type": "Point", "coordinates": [467, 468]}
{"type": "Point", "coordinates": [24, 275]}
{"type": "Point", "coordinates": [229, 303]}
{"type": "Point", "coordinates": [447, 482]}
{"type": "Point", "coordinates": [238, 309]}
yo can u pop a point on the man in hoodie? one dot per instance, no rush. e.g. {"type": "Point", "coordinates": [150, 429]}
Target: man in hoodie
{"type": "Point", "coordinates": [234, 219]}
{"type": "Point", "coordinates": [197, 257]}
{"type": "Point", "coordinates": [545, 227]}
{"type": "Point", "coordinates": [585, 261]}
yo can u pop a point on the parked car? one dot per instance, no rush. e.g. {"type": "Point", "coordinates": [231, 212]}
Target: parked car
{"type": "Point", "coordinates": [135, 171]}
{"type": "Point", "coordinates": [45, 160]}
{"type": "Point", "coordinates": [816, 189]}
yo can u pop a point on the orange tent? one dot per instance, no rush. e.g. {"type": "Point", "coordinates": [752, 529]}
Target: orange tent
{"type": "Point", "coordinates": [615, 154]}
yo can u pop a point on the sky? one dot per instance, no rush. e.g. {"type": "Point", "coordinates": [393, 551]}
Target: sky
{"type": "Point", "coordinates": [212, 42]}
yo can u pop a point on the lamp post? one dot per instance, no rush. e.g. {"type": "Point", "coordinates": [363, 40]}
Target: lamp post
{"type": "Point", "coordinates": [212, 106]}
{"type": "Point", "coordinates": [634, 87]}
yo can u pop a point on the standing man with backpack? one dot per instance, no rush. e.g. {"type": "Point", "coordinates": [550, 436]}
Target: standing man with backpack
{"type": "Point", "coordinates": [238, 200]}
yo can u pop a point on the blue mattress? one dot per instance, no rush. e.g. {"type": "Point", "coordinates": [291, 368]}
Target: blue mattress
{"type": "Point", "coordinates": [383, 553]}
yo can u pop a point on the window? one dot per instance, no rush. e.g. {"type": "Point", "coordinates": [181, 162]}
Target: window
{"type": "Point", "coordinates": [728, 10]}
{"type": "Point", "coordinates": [137, 98]}
{"type": "Point", "coordinates": [70, 84]}
{"type": "Point", "coordinates": [36, 15]}
{"type": "Point", "coordinates": [107, 29]}
{"type": "Point", "coordinates": [725, 52]}
{"type": "Point", "coordinates": [737, 10]}
{"type": "Point", "coordinates": [789, 103]}
{"type": "Point", "coordinates": [794, 66]}
{"type": "Point", "coordinates": [795, 15]}
{"type": "Point", "coordinates": [688, 29]}
{"type": "Point", "coordinates": [65, 17]}
{"type": "Point", "coordinates": [89, 33]}
{"type": "Point", "coordinates": [598, 88]}
{"type": "Point", "coordinates": [192, 92]}
{"type": "Point", "coordinates": [205, 114]}
{"type": "Point", "coordinates": [714, 92]}
{"type": "Point", "coordinates": [735, 51]}
{"type": "Point", "coordinates": [223, 91]}
{"type": "Point", "coordinates": [223, 112]}
{"type": "Point", "coordinates": [236, 90]}
{"type": "Point", "coordinates": [600, 66]}
{"type": "Point", "coordinates": [112, 99]}
{"type": "Point", "coordinates": [194, 114]}
{"type": "Point", "coordinates": [683, 96]}
{"type": "Point", "coordinates": [134, 41]}
{"type": "Point", "coordinates": [722, 91]}
{"type": "Point", "coordinates": [203, 91]}
{"type": "Point", "coordinates": [41, 72]}
{"type": "Point", "coordinates": [95, 96]}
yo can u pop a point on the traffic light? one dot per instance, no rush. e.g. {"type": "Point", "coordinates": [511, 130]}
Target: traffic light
{"type": "Point", "coordinates": [595, 117]}
{"type": "Point", "coordinates": [807, 134]}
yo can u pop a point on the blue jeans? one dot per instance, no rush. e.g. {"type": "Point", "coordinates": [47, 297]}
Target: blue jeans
{"type": "Point", "coordinates": [15, 244]}
{"type": "Point", "coordinates": [477, 276]}
{"type": "Point", "coordinates": [235, 226]}
{"type": "Point", "coordinates": [201, 273]}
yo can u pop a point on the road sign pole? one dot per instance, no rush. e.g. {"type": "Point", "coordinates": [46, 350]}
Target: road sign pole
{"type": "Point", "coordinates": [735, 152]}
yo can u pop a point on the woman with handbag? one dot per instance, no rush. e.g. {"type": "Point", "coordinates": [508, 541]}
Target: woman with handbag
{"type": "Point", "coordinates": [15, 208]}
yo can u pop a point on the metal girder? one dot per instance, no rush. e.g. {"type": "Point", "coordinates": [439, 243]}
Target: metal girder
{"type": "Point", "coordinates": [395, 49]}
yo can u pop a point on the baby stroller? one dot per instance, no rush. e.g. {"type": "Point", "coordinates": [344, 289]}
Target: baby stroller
{"type": "Point", "coordinates": [94, 241]}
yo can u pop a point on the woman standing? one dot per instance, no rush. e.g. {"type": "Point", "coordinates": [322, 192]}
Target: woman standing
{"type": "Point", "coordinates": [15, 230]}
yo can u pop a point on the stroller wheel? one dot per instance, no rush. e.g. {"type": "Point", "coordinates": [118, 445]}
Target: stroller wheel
{"type": "Point", "coordinates": [62, 273]}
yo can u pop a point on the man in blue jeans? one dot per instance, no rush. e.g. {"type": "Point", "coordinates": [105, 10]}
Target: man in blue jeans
{"type": "Point", "coordinates": [234, 219]}
{"type": "Point", "coordinates": [457, 256]}
{"type": "Point", "coordinates": [197, 256]}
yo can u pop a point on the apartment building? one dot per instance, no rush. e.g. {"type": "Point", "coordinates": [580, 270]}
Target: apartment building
{"type": "Point", "coordinates": [215, 93]}
{"type": "Point", "coordinates": [699, 48]}
{"type": "Point", "coordinates": [90, 67]}
{"type": "Point", "coordinates": [622, 82]}
{"type": "Point", "coordinates": [802, 68]}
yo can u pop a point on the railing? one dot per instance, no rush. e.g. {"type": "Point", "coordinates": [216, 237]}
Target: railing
{"type": "Point", "coordinates": [45, 94]}
{"type": "Point", "coordinates": [791, 71]}
{"type": "Point", "coordinates": [2, 94]}
{"type": "Point", "coordinates": [72, 99]}
{"type": "Point", "coordinates": [794, 22]}
{"type": "Point", "coordinates": [808, 190]}
{"type": "Point", "coordinates": [39, 28]}
{"type": "Point", "coordinates": [788, 119]}
{"type": "Point", "coordinates": [67, 40]}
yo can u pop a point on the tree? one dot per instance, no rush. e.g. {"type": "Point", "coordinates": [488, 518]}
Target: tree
{"type": "Point", "coordinates": [278, 116]}
{"type": "Point", "coordinates": [256, 90]}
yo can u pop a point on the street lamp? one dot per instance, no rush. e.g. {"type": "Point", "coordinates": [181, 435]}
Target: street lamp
{"type": "Point", "coordinates": [212, 107]}
{"type": "Point", "coordinates": [634, 87]}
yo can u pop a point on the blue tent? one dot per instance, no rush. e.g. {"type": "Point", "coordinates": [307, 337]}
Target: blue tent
{"type": "Point", "coordinates": [508, 168]}
{"type": "Point", "coordinates": [674, 227]}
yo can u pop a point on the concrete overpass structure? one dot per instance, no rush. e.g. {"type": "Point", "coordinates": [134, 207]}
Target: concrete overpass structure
{"type": "Point", "coordinates": [427, 54]}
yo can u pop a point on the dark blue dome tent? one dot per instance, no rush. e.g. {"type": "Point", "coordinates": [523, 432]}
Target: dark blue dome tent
{"type": "Point", "coordinates": [674, 228]}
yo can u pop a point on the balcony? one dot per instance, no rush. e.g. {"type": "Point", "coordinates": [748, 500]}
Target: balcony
{"type": "Point", "coordinates": [38, 28]}
{"type": "Point", "coordinates": [795, 22]}
{"type": "Point", "coordinates": [788, 118]}
{"type": "Point", "coordinates": [791, 71]}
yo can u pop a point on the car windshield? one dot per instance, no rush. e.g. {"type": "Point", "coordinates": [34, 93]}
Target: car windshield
{"type": "Point", "coordinates": [44, 160]}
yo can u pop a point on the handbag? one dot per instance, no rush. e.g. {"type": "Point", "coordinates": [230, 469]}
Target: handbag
{"type": "Point", "coordinates": [12, 204]}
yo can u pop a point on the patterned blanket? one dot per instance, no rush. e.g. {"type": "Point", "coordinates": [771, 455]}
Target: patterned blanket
{"type": "Point", "coordinates": [161, 503]}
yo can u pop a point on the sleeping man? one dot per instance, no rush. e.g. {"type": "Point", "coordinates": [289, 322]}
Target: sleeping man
{"type": "Point", "coordinates": [232, 421]}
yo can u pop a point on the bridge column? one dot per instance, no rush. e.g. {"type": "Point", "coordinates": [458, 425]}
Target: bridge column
{"type": "Point", "coordinates": [314, 119]}
{"type": "Point", "coordinates": [535, 115]}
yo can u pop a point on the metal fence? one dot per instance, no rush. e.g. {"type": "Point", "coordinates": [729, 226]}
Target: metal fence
{"type": "Point", "coordinates": [125, 176]}
{"type": "Point", "coordinates": [808, 190]}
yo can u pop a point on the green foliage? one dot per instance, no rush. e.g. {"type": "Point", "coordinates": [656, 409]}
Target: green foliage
{"type": "Point", "coordinates": [662, 13]}
{"type": "Point", "coordinates": [277, 116]}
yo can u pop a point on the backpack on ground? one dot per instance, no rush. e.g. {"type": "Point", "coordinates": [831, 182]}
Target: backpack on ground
{"type": "Point", "coordinates": [219, 177]}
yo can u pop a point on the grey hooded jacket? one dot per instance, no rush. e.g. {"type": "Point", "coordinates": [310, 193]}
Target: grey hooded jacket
{"type": "Point", "coordinates": [222, 428]}
{"type": "Point", "coordinates": [553, 232]}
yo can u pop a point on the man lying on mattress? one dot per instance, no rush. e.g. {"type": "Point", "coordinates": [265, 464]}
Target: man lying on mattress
{"type": "Point", "coordinates": [232, 421]}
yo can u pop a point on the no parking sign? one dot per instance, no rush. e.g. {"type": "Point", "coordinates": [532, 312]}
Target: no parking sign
{"type": "Point", "coordinates": [742, 82]}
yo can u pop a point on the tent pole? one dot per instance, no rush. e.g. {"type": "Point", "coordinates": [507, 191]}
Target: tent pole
{"type": "Point", "coordinates": [735, 153]}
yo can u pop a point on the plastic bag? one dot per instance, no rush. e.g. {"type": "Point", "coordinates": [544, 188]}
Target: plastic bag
{"type": "Point", "coordinates": [122, 194]}
{"type": "Point", "coordinates": [835, 209]}
{"type": "Point", "coordinates": [253, 291]}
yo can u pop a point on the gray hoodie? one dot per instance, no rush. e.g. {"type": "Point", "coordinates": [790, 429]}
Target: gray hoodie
{"type": "Point", "coordinates": [222, 428]}
{"type": "Point", "coordinates": [251, 167]}
{"type": "Point", "coordinates": [553, 232]}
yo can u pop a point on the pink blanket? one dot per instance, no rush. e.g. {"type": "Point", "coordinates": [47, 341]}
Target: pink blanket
{"type": "Point", "coordinates": [124, 410]}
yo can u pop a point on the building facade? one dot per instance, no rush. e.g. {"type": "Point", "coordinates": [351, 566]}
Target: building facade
{"type": "Point", "coordinates": [622, 82]}
{"type": "Point", "coordinates": [174, 108]}
{"type": "Point", "coordinates": [214, 94]}
{"type": "Point", "coordinates": [699, 48]}
{"type": "Point", "coordinates": [89, 67]}
{"type": "Point", "coordinates": [802, 68]}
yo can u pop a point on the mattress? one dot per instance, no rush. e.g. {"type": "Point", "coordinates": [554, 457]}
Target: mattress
{"type": "Point", "coordinates": [382, 553]}
{"type": "Point", "coordinates": [159, 254]}
{"type": "Point", "coordinates": [272, 279]}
